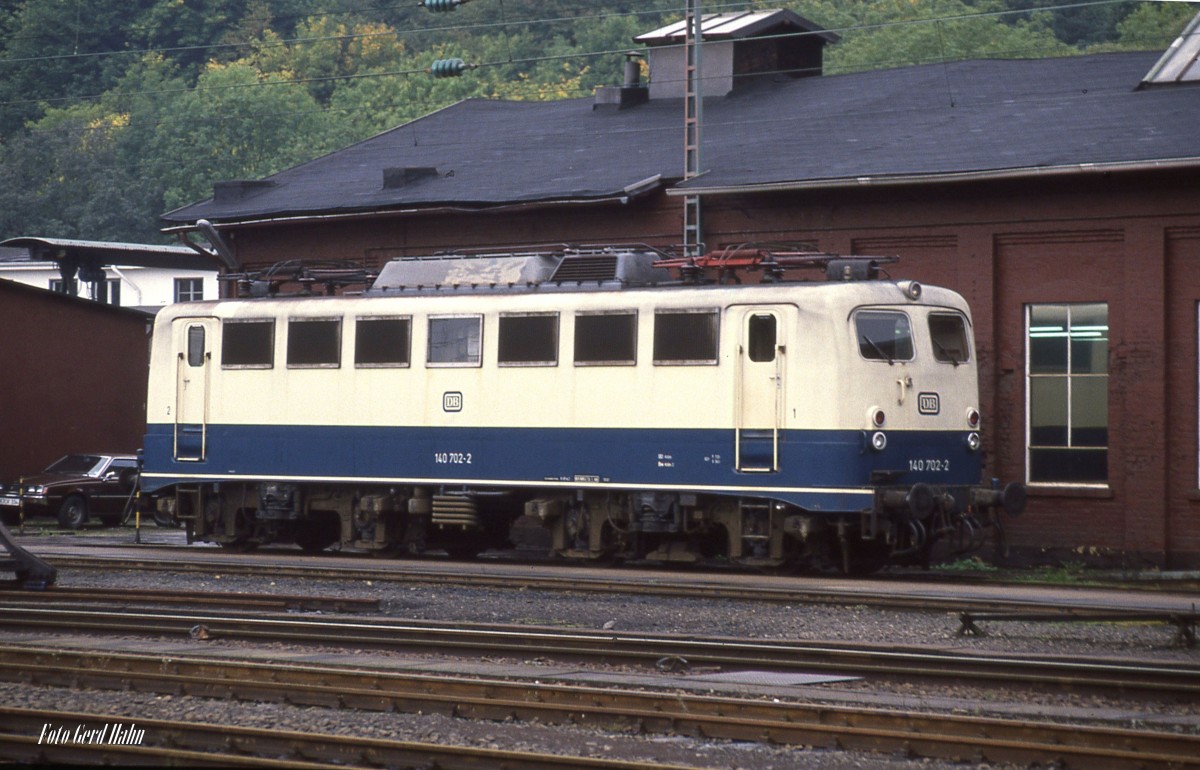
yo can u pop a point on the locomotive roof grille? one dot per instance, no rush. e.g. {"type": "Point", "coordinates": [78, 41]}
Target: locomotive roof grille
{"type": "Point", "coordinates": [586, 268]}
{"type": "Point", "coordinates": [598, 268]}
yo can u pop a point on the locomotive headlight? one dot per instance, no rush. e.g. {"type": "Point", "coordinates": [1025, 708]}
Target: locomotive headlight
{"type": "Point", "coordinates": [972, 418]}
{"type": "Point", "coordinates": [878, 441]}
{"type": "Point", "coordinates": [973, 441]}
{"type": "Point", "coordinates": [912, 290]}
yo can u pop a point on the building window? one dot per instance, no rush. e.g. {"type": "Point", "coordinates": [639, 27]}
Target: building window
{"type": "Point", "coordinates": [685, 337]}
{"type": "Point", "coordinates": [528, 340]}
{"type": "Point", "coordinates": [382, 342]}
{"type": "Point", "coordinates": [111, 290]}
{"type": "Point", "coordinates": [189, 289]}
{"type": "Point", "coordinates": [314, 343]}
{"type": "Point", "coordinates": [248, 344]}
{"type": "Point", "coordinates": [1067, 392]}
{"type": "Point", "coordinates": [606, 339]}
{"type": "Point", "coordinates": [455, 340]}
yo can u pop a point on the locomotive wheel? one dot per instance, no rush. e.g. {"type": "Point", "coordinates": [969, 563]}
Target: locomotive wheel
{"type": "Point", "coordinates": [243, 529]}
{"type": "Point", "coordinates": [865, 557]}
{"type": "Point", "coordinates": [321, 530]}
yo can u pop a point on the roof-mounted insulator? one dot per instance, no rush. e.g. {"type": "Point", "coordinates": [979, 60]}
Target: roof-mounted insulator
{"type": "Point", "coordinates": [449, 68]}
{"type": "Point", "coordinates": [441, 6]}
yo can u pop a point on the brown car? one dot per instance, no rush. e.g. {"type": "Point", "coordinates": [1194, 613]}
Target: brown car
{"type": "Point", "coordinates": [76, 488]}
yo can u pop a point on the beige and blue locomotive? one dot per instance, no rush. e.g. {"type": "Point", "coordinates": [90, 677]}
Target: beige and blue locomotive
{"type": "Point", "coordinates": [592, 402]}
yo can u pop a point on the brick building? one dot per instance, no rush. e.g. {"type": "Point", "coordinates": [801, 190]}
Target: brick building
{"type": "Point", "coordinates": [1059, 196]}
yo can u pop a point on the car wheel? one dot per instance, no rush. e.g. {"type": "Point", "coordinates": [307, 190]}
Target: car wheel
{"type": "Point", "coordinates": [73, 513]}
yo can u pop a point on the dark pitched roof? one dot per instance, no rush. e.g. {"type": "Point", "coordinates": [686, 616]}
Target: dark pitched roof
{"type": "Point", "coordinates": [921, 123]}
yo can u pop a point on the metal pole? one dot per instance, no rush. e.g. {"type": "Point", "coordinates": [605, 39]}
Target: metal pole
{"type": "Point", "coordinates": [693, 233]}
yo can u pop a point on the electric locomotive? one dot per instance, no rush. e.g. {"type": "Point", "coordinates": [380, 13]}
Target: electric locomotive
{"type": "Point", "coordinates": [599, 403]}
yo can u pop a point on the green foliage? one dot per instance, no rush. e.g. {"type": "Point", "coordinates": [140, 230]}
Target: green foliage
{"type": "Point", "coordinates": [111, 113]}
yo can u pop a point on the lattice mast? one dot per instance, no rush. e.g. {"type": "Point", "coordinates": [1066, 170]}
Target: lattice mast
{"type": "Point", "coordinates": [693, 234]}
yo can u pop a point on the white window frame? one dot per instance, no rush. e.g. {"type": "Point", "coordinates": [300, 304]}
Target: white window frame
{"type": "Point", "coordinates": [1069, 377]}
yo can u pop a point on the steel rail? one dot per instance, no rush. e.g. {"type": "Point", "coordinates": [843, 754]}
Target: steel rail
{"type": "Point", "coordinates": [192, 744]}
{"type": "Point", "coordinates": [1128, 676]}
{"type": "Point", "coordinates": [148, 596]}
{"type": "Point", "coordinates": [666, 585]}
{"type": "Point", "coordinates": [952, 737]}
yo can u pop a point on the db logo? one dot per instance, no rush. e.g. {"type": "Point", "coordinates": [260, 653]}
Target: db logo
{"type": "Point", "coordinates": [929, 403]}
{"type": "Point", "coordinates": [452, 401]}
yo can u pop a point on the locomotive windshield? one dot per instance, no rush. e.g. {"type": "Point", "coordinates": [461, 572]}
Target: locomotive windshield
{"type": "Point", "coordinates": [884, 335]}
{"type": "Point", "coordinates": [948, 331]}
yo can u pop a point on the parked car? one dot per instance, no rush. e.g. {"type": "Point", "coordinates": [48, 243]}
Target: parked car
{"type": "Point", "coordinates": [75, 488]}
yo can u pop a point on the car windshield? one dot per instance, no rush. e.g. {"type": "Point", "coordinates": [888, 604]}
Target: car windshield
{"type": "Point", "coordinates": [87, 465]}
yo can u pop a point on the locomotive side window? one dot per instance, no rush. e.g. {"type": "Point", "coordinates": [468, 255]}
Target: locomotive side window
{"type": "Point", "coordinates": [606, 339]}
{"type": "Point", "coordinates": [248, 344]}
{"type": "Point", "coordinates": [455, 340]}
{"type": "Point", "coordinates": [884, 335]}
{"type": "Point", "coordinates": [380, 342]}
{"type": "Point", "coordinates": [195, 346]}
{"type": "Point", "coordinates": [685, 337]}
{"type": "Point", "coordinates": [314, 343]}
{"type": "Point", "coordinates": [948, 333]}
{"type": "Point", "coordinates": [528, 340]}
{"type": "Point", "coordinates": [760, 337]}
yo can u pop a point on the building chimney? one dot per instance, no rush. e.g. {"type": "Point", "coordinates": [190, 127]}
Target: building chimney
{"type": "Point", "coordinates": [631, 93]}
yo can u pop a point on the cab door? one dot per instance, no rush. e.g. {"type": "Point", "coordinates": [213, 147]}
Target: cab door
{"type": "Point", "coordinates": [194, 339]}
{"type": "Point", "coordinates": [760, 391]}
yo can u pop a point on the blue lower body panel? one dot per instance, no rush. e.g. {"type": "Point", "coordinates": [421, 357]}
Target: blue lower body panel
{"type": "Point", "coordinates": [820, 470]}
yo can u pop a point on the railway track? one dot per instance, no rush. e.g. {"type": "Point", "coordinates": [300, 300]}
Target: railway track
{"type": "Point", "coordinates": [899, 595]}
{"type": "Point", "coordinates": [951, 737]}
{"type": "Point", "coordinates": [1174, 681]}
{"type": "Point", "coordinates": [189, 744]}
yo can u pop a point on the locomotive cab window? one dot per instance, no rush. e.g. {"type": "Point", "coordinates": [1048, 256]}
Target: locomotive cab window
{"type": "Point", "coordinates": [195, 346]}
{"type": "Point", "coordinates": [455, 340]}
{"type": "Point", "coordinates": [948, 334]}
{"type": "Point", "coordinates": [314, 343]}
{"type": "Point", "coordinates": [884, 335]}
{"type": "Point", "coordinates": [248, 344]}
{"type": "Point", "coordinates": [685, 337]}
{"type": "Point", "coordinates": [528, 340]}
{"type": "Point", "coordinates": [381, 342]}
{"type": "Point", "coordinates": [606, 339]}
{"type": "Point", "coordinates": [761, 336]}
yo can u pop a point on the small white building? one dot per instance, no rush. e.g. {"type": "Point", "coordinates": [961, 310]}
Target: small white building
{"type": "Point", "coordinates": [143, 276]}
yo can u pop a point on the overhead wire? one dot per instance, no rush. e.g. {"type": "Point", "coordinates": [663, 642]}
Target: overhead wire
{"type": "Point", "coordinates": [574, 55]}
{"type": "Point", "coordinates": [532, 88]}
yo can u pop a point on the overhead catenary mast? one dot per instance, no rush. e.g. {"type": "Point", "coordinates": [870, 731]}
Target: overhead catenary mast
{"type": "Point", "coordinates": [693, 234]}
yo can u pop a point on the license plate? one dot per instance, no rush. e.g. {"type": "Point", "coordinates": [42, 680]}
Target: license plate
{"type": "Point", "coordinates": [13, 501]}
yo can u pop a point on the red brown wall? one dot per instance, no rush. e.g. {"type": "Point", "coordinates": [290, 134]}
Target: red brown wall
{"type": "Point", "coordinates": [73, 378]}
{"type": "Point", "coordinates": [1132, 241]}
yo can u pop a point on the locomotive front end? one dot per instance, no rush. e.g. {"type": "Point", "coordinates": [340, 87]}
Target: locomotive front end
{"type": "Point", "coordinates": [915, 384]}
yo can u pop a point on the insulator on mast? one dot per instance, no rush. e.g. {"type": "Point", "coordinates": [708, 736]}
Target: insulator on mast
{"type": "Point", "coordinates": [441, 6]}
{"type": "Point", "coordinates": [449, 68]}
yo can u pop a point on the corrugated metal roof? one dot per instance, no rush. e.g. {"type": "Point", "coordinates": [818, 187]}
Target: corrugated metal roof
{"type": "Point", "coordinates": [114, 253]}
{"type": "Point", "coordinates": [732, 26]}
{"type": "Point", "coordinates": [1181, 62]}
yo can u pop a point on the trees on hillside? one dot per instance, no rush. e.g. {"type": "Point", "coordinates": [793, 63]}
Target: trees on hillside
{"type": "Point", "coordinates": [112, 113]}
